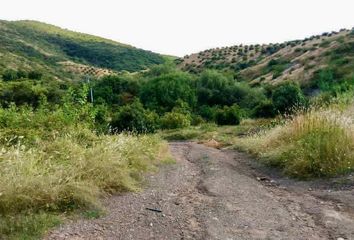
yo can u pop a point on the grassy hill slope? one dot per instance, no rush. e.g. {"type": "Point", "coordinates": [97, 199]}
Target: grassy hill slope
{"type": "Point", "coordinates": [299, 60]}
{"type": "Point", "coordinates": [29, 45]}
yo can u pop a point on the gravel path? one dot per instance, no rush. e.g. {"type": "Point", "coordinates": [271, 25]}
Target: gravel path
{"type": "Point", "coordinates": [218, 194]}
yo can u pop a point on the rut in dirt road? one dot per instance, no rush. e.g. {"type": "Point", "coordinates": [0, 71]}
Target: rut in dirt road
{"type": "Point", "coordinates": [213, 194]}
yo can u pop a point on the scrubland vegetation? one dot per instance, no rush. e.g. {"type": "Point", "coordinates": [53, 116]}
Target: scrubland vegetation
{"type": "Point", "coordinates": [311, 143]}
{"type": "Point", "coordinates": [54, 160]}
{"type": "Point", "coordinates": [60, 153]}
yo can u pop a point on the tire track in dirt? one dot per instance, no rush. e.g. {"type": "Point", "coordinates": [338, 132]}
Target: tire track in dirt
{"type": "Point", "coordinates": [213, 194]}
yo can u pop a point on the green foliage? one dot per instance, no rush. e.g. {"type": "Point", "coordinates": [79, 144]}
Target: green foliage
{"type": "Point", "coordinates": [116, 90]}
{"type": "Point", "coordinates": [35, 75]}
{"type": "Point", "coordinates": [213, 88]}
{"type": "Point", "coordinates": [40, 47]}
{"type": "Point", "coordinates": [264, 109]}
{"type": "Point", "coordinates": [29, 226]}
{"type": "Point", "coordinates": [162, 93]}
{"type": "Point", "coordinates": [9, 75]}
{"type": "Point", "coordinates": [173, 120]}
{"type": "Point", "coordinates": [276, 66]}
{"type": "Point", "coordinates": [207, 112]}
{"type": "Point", "coordinates": [22, 92]}
{"type": "Point", "coordinates": [134, 117]}
{"type": "Point", "coordinates": [52, 162]}
{"type": "Point", "coordinates": [286, 96]}
{"type": "Point", "coordinates": [228, 115]}
{"type": "Point", "coordinates": [106, 55]}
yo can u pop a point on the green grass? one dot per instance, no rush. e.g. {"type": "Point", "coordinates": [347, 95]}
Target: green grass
{"type": "Point", "coordinates": [226, 135]}
{"type": "Point", "coordinates": [27, 226]}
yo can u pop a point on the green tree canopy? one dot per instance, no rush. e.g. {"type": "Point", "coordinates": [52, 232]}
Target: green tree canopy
{"type": "Point", "coordinates": [163, 93]}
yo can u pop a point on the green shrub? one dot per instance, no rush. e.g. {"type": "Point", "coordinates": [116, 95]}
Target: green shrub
{"type": "Point", "coordinates": [35, 75]}
{"type": "Point", "coordinates": [116, 90]}
{"type": "Point", "coordinates": [163, 93]}
{"type": "Point", "coordinates": [207, 112]}
{"type": "Point", "coordinates": [228, 115]}
{"type": "Point", "coordinates": [9, 75]}
{"type": "Point", "coordinates": [134, 117]}
{"type": "Point", "coordinates": [173, 120]}
{"type": "Point", "coordinates": [264, 109]}
{"type": "Point", "coordinates": [197, 120]}
{"type": "Point", "coordinates": [286, 96]}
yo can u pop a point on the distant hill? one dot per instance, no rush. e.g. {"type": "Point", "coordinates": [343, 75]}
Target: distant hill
{"type": "Point", "coordinates": [299, 60]}
{"type": "Point", "coordinates": [32, 45]}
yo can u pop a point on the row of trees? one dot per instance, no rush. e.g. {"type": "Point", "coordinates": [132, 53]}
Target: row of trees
{"type": "Point", "coordinates": [165, 97]}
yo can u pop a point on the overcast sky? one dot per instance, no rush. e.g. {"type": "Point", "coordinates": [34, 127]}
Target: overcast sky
{"type": "Point", "coordinates": [180, 27]}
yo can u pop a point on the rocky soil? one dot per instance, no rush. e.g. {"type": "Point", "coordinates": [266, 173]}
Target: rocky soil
{"type": "Point", "coordinates": [220, 194]}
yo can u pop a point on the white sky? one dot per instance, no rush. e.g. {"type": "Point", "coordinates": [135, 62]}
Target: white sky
{"type": "Point", "coordinates": [180, 27]}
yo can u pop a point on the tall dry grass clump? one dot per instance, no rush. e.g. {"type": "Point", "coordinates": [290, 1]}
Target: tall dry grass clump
{"type": "Point", "coordinates": [315, 143]}
{"type": "Point", "coordinates": [65, 174]}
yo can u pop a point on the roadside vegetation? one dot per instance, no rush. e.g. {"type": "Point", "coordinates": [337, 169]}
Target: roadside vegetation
{"type": "Point", "coordinates": [64, 145]}
{"type": "Point", "coordinates": [310, 144]}
{"type": "Point", "coordinates": [54, 160]}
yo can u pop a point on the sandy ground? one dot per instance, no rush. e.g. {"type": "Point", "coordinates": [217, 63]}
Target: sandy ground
{"type": "Point", "coordinates": [220, 194]}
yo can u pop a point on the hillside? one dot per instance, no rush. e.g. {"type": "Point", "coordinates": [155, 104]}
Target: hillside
{"type": "Point", "coordinates": [31, 45]}
{"type": "Point", "coordinates": [299, 60]}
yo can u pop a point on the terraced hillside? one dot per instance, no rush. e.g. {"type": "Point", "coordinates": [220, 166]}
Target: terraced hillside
{"type": "Point", "coordinates": [299, 60]}
{"type": "Point", "coordinates": [31, 45]}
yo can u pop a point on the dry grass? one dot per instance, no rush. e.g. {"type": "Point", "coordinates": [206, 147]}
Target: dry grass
{"type": "Point", "coordinates": [65, 174]}
{"type": "Point", "coordinates": [316, 143]}
{"type": "Point", "coordinates": [69, 173]}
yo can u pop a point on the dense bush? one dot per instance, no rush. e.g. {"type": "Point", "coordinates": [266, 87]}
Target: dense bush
{"type": "Point", "coordinates": [264, 109]}
{"type": "Point", "coordinates": [9, 75]}
{"type": "Point", "coordinates": [22, 92]}
{"type": "Point", "coordinates": [207, 112]}
{"type": "Point", "coordinates": [214, 88]}
{"type": "Point", "coordinates": [134, 117]}
{"type": "Point", "coordinates": [163, 93]}
{"type": "Point", "coordinates": [175, 119]}
{"type": "Point", "coordinates": [228, 115]}
{"type": "Point", "coordinates": [286, 96]}
{"type": "Point", "coordinates": [35, 75]}
{"type": "Point", "coordinates": [116, 90]}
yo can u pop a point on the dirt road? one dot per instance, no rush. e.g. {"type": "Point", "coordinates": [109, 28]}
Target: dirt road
{"type": "Point", "coordinates": [220, 194]}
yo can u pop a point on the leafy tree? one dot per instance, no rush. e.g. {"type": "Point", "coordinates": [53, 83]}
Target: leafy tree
{"type": "Point", "coordinates": [264, 109]}
{"type": "Point", "coordinates": [228, 115]}
{"type": "Point", "coordinates": [164, 92]}
{"type": "Point", "coordinates": [134, 117]}
{"type": "Point", "coordinates": [213, 88]}
{"type": "Point", "coordinates": [286, 96]}
{"type": "Point", "coordinates": [23, 92]}
{"type": "Point", "coordinates": [175, 119]}
{"type": "Point", "coordinates": [116, 90]}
